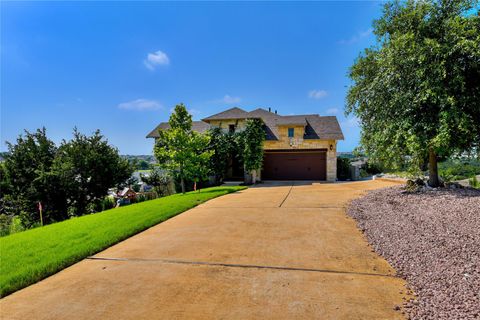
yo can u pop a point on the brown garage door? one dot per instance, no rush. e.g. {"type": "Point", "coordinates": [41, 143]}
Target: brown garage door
{"type": "Point", "coordinates": [295, 165]}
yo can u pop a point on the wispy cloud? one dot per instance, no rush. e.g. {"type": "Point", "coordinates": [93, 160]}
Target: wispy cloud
{"type": "Point", "coordinates": [350, 123]}
{"type": "Point", "coordinates": [140, 105]}
{"type": "Point", "coordinates": [332, 111]}
{"type": "Point", "coordinates": [194, 112]}
{"type": "Point", "coordinates": [158, 58]}
{"type": "Point", "coordinates": [357, 37]}
{"type": "Point", "coordinates": [317, 94]}
{"type": "Point", "coordinates": [230, 100]}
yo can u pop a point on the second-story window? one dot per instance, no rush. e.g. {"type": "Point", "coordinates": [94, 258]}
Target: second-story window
{"type": "Point", "coordinates": [231, 128]}
{"type": "Point", "coordinates": [291, 132]}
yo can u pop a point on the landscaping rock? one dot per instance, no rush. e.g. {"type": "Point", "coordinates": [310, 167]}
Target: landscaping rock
{"type": "Point", "coordinates": [432, 239]}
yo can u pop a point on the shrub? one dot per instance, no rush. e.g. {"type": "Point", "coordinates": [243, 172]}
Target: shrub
{"type": "Point", "coordinates": [458, 170]}
{"type": "Point", "coordinates": [343, 168]}
{"type": "Point", "coordinates": [372, 168]}
{"type": "Point", "coordinates": [364, 173]}
{"type": "Point", "coordinates": [474, 183]}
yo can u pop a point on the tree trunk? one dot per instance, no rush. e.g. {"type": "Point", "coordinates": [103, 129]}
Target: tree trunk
{"type": "Point", "coordinates": [182, 183]}
{"type": "Point", "coordinates": [433, 180]}
{"type": "Point", "coordinates": [247, 177]}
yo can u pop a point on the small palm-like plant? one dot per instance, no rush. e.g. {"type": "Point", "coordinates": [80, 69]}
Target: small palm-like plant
{"type": "Point", "coordinates": [474, 183]}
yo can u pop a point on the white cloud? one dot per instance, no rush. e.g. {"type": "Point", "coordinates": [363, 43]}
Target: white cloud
{"type": "Point", "coordinates": [332, 111]}
{"type": "Point", "coordinates": [351, 123]}
{"type": "Point", "coordinates": [156, 59]}
{"type": "Point", "coordinates": [357, 37]}
{"type": "Point", "coordinates": [317, 94]}
{"type": "Point", "coordinates": [230, 100]}
{"type": "Point", "coordinates": [140, 105]}
{"type": "Point", "coordinates": [194, 112]}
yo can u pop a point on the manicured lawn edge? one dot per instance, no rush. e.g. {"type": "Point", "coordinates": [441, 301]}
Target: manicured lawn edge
{"type": "Point", "coordinates": [30, 256]}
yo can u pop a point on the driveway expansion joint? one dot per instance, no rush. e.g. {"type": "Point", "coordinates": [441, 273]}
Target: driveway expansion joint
{"type": "Point", "coordinates": [245, 266]}
{"type": "Point", "coordinates": [288, 193]}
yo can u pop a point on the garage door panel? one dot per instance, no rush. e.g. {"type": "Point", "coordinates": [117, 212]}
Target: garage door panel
{"type": "Point", "coordinates": [294, 166]}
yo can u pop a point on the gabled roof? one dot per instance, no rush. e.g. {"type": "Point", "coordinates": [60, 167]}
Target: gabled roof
{"type": "Point", "coordinates": [198, 126]}
{"type": "Point", "coordinates": [292, 120]}
{"type": "Point", "coordinates": [270, 120]}
{"type": "Point", "coordinates": [316, 127]}
{"type": "Point", "coordinates": [125, 191]}
{"type": "Point", "coordinates": [233, 113]}
{"type": "Point", "coordinates": [323, 127]}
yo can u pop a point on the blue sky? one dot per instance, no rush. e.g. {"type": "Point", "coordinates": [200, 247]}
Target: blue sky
{"type": "Point", "coordinates": [121, 67]}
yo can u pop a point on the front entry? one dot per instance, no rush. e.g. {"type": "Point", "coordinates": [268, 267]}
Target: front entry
{"type": "Point", "coordinates": [295, 165]}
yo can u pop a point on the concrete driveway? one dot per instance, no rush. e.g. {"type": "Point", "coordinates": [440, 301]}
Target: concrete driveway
{"type": "Point", "coordinates": [276, 251]}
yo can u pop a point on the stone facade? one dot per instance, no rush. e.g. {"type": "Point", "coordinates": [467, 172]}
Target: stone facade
{"type": "Point", "coordinates": [322, 133]}
{"type": "Point", "coordinates": [285, 143]}
{"type": "Point", "coordinates": [225, 124]}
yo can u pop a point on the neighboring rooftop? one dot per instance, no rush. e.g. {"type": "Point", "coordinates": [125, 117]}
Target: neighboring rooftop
{"type": "Point", "coordinates": [316, 127]}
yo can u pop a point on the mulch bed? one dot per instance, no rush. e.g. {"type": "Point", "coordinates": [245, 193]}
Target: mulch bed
{"type": "Point", "coordinates": [432, 239]}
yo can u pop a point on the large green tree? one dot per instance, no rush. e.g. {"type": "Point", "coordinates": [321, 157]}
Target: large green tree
{"type": "Point", "coordinates": [416, 92]}
{"type": "Point", "coordinates": [88, 166]}
{"type": "Point", "coordinates": [69, 180]}
{"type": "Point", "coordinates": [180, 150]}
{"type": "Point", "coordinates": [27, 179]}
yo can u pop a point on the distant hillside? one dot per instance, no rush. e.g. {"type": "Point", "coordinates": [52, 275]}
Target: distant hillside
{"type": "Point", "coordinates": [348, 155]}
{"type": "Point", "coordinates": [145, 157]}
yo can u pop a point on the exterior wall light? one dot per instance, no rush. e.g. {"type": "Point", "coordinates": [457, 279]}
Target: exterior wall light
{"type": "Point", "coordinates": [331, 147]}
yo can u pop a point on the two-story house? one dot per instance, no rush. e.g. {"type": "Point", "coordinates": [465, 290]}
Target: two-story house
{"type": "Point", "coordinates": [298, 147]}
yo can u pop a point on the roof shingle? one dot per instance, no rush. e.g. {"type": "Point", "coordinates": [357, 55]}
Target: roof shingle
{"type": "Point", "coordinates": [233, 113]}
{"type": "Point", "coordinates": [198, 126]}
{"type": "Point", "coordinates": [316, 127]}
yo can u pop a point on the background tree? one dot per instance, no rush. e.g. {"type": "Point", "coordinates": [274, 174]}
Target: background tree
{"type": "Point", "coordinates": [158, 180]}
{"type": "Point", "coordinates": [251, 148]}
{"type": "Point", "coordinates": [417, 92]}
{"type": "Point", "coordinates": [88, 167]}
{"type": "Point", "coordinates": [180, 150]}
{"type": "Point", "coordinates": [27, 180]}
{"type": "Point", "coordinates": [143, 165]}
{"type": "Point", "coordinates": [70, 180]}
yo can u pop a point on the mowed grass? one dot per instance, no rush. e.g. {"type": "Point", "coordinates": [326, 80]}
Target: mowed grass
{"type": "Point", "coordinates": [32, 255]}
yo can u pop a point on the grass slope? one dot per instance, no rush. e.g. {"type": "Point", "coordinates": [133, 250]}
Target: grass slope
{"type": "Point", "coordinates": [29, 256]}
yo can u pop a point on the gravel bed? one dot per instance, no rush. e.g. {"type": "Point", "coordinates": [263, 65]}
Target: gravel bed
{"type": "Point", "coordinates": [433, 240]}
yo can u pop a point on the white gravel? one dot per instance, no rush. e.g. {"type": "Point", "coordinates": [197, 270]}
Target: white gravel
{"type": "Point", "coordinates": [433, 240]}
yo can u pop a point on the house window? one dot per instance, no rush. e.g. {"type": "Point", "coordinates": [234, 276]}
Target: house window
{"type": "Point", "coordinates": [291, 132]}
{"type": "Point", "coordinates": [231, 128]}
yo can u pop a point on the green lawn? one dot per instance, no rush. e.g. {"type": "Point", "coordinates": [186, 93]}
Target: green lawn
{"type": "Point", "coordinates": [32, 255]}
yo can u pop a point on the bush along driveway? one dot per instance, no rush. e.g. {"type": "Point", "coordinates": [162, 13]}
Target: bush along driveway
{"type": "Point", "coordinates": [32, 255]}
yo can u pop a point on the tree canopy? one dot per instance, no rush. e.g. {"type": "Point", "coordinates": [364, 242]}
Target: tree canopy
{"type": "Point", "coordinates": [417, 91]}
{"type": "Point", "coordinates": [181, 151]}
{"type": "Point", "coordinates": [67, 180]}
{"type": "Point", "coordinates": [88, 167]}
